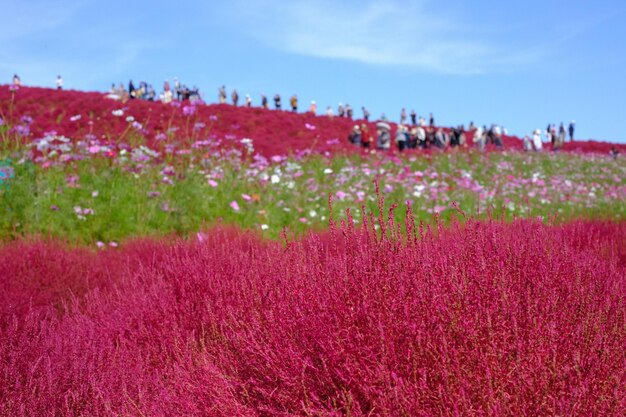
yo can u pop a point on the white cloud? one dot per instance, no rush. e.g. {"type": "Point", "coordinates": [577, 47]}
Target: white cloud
{"type": "Point", "coordinates": [382, 32]}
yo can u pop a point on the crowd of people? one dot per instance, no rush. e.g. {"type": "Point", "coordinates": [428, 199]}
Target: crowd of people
{"type": "Point", "coordinates": [423, 136]}
{"type": "Point", "coordinates": [555, 137]}
{"type": "Point", "coordinates": [420, 133]}
{"type": "Point", "coordinates": [145, 91]}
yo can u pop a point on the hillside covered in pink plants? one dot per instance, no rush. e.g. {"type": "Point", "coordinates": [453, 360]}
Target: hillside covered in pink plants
{"type": "Point", "coordinates": [484, 318]}
{"type": "Point", "coordinates": [78, 115]}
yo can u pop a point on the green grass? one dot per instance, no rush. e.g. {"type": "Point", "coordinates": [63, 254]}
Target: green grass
{"type": "Point", "coordinates": [41, 202]}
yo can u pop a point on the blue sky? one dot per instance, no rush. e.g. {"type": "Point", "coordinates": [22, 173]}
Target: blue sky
{"type": "Point", "coordinates": [520, 64]}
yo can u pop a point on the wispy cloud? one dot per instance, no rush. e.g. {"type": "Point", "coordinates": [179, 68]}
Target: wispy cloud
{"type": "Point", "coordinates": [383, 32]}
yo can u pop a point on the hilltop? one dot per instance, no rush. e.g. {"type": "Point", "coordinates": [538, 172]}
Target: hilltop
{"type": "Point", "coordinates": [79, 115]}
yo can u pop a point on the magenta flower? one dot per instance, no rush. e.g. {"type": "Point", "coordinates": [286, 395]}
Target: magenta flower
{"type": "Point", "coordinates": [234, 205]}
{"type": "Point", "coordinates": [189, 110]}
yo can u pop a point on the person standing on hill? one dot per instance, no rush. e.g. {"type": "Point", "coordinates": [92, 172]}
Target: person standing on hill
{"type": "Point", "coordinates": [340, 110]}
{"type": "Point", "coordinates": [131, 90]}
{"type": "Point", "coordinates": [440, 141]}
{"type": "Point", "coordinates": [403, 116]}
{"type": "Point", "coordinates": [221, 94]}
{"type": "Point", "coordinates": [59, 83]}
{"type": "Point", "coordinates": [179, 90]}
{"type": "Point", "coordinates": [235, 97]}
{"type": "Point", "coordinates": [348, 111]}
{"type": "Point", "coordinates": [497, 135]}
{"type": "Point", "coordinates": [421, 137]}
{"type": "Point", "coordinates": [401, 138]}
{"type": "Point", "coordinates": [549, 136]}
{"type": "Point", "coordinates": [329, 112]}
{"type": "Point", "coordinates": [480, 137]}
{"type": "Point", "coordinates": [366, 114]}
{"type": "Point", "coordinates": [366, 138]}
{"type": "Point", "coordinates": [277, 104]}
{"type": "Point", "coordinates": [264, 101]}
{"type": "Point", "coordinates": [432, 120]}
{"type": "Point", "coordinates": [462, 136]}
{"type": "Point", "coordinates": [16, 80]}
{"type": "Point", "coordinates": [294, 103]}
{"type": "Point", "coordinates": [383, 136]}
{"type": "Point", "coordinates": [355, 135]}
{"type": "Point", "coordinates": [455, 134]}
{"type": "Point", "coordinates": [562, 135]}
{"type": "Point", "coordinates": [248, 100]}
{"type": "Point", "coordinates": [313, 107]}
{"type": "Point", "coordinates": [537, 144]}
{"type": "Point", "coordinates": [413, 118]}
{"type": "Point", "coordinates": [151, 94]}
{"type": "Point", "coordinates": [411, 143]}
{"type": "Point", "coordinates": [572, 125]}
{"type": "Point", "coordinates": [167, 95]}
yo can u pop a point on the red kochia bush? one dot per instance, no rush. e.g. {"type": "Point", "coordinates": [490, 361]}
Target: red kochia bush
{"type": "Point", "coordinates": [481, 319]}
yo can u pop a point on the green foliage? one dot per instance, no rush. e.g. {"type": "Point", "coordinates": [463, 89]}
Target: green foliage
{"type": "Point", "coordinates": [110, 200]}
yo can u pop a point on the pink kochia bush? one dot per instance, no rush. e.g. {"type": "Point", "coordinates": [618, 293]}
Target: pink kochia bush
{"type": "Point", "coordinates": [485, 318]}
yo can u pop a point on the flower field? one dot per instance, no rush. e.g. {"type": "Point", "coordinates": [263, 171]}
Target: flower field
{"type": "Point", "coordinates": [206, 260]}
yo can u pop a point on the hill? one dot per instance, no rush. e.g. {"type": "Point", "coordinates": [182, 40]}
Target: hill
{"type": "Point", "coordinates": [79, 115]}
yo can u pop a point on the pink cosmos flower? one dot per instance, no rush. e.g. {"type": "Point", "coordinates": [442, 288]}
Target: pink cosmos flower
{"type": "Point", "coordinates": [189, 110]}
{"type": "Point", "coordinates": [234, 205]}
